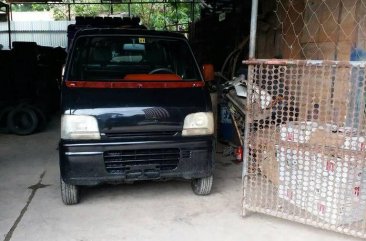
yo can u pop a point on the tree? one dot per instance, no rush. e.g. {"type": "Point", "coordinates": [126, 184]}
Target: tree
{"type": "Point", "coordinates": [61, 12]}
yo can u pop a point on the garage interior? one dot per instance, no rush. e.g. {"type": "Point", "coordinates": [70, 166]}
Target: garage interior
{"type": "Point", "coordinates": [301, 64]}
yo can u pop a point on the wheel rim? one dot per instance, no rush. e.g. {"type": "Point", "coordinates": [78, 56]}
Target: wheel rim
{"type": "Point", "coordinates": [22, 120]}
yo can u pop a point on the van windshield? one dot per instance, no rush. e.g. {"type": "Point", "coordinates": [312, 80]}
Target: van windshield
{"type": "Point", "coordinates": [126, 58]}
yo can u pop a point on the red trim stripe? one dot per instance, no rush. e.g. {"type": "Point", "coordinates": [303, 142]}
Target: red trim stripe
{"type": "Point", "coordinates": [133, 85]}
{"type": "Point", "coordinates": [152, 77]}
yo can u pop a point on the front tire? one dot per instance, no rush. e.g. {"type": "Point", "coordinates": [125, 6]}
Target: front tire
{"type": "Point", "coordinates": [69, 193]}
{"type": "Point", "coordinates": [202, 186]}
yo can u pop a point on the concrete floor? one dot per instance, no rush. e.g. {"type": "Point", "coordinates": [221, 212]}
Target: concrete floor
{"type": "Point", "coordinates": [31, 207]}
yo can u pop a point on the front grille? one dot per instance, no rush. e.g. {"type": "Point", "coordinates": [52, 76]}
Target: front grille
{"type": "Point", "coordinates": [186, 154]}
{"type": "Point", "coordinates": [142, 134]}
{"type": "Point", "coordinates": [141, 160]}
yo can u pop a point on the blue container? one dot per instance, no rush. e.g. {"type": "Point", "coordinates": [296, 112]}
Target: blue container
{"type": "Point", "coordinates": [226, 128]}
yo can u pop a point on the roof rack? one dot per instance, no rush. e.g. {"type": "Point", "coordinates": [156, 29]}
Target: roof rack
{"type": "Point", "coordinates": [109, 22]}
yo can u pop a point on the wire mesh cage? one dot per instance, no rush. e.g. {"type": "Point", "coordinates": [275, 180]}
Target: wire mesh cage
{"type": "Point", "coordinates": [306, 159]}
{"type": "Point", "coordinates": [305, 148]}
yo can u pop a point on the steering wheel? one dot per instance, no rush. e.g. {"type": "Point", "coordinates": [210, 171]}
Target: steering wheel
{"type": "Point", "coordinates": [161, 70]}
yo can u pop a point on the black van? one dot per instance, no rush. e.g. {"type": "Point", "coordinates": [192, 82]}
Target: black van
{"type": "Point", "coordinates": [135, 107]}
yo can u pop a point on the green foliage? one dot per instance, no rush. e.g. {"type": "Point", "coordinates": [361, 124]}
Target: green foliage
{"type": "Point", "coordinates": [172, 15]}
{"type": "Point", "coordinates": [61, 12]}
{"type": "Point", "coordinates": [169, 16]}
{"type": "Point", "coordinates": [40, 7]}
{"type": "Point", "coordinates": [22, 7]}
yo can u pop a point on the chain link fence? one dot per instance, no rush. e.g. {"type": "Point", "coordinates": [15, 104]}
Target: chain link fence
{"type": "Point", "coordinates": [305, 159]}
{"type": "Point", "coordinates": [323, 29]}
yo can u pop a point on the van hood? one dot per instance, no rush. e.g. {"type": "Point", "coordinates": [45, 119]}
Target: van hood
{"type": "Point", "coordinates": [133, 112]}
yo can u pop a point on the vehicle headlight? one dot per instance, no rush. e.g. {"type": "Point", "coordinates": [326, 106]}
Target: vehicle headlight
{"type": "Point", "coordinates": [198, 124]}
{"type": "Point", "coordinates": [79, 127]}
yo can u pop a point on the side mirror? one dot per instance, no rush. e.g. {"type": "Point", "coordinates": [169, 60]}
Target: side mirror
{"type": "Point", "coordinates": [208, 72]}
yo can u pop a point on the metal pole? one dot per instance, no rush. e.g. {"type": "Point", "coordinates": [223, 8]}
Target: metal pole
{"type": "Point", "coordinates": [248, 117]}
{"type": "Point", "coordinates": [253, 29]}
{"type": "Point", "coordinates": [164, 17]}
{"type": "Point", "coordinates": [69, 11]}
{"type": "Point", "coordinates": [129, 8]}
{"type": "Point", "coordinates": [193, 10]}
{"type": "Point", "coordinates": [9, 30]}
{"type": "Point", "coordinates": [11, 12]}
{"type": "Point", "coordinates": [177, 18]}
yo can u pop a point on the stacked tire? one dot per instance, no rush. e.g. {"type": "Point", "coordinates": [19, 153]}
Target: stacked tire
{"type": "Point", "coordinates": [30, 86]}
{"type": "Point", "coordinates": [22, 119]}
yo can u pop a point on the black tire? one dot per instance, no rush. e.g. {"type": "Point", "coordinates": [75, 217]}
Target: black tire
{"type": "Point", "coordinates": [70, 194]}
{"type": "Point", "coordinates": [4, 118]}
{"type": "Point", "coordinates": [42, 119]}
{"type": "Point", "coordinates": [202, 186]}
{"type": "Point", "coordinates": [22, 121]}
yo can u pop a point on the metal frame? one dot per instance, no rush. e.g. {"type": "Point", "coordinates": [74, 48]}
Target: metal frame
{"type": "Point", "coordinates": [8, 8]}
{"type": "Point", "coordinates": [252, 44]}
{"type": "Point", "coordinates": [111, 3]}
{"type": "Point", "coordinates": [253, 29]}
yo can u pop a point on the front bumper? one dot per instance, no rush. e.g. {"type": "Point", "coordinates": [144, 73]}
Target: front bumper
{"type": "Point", "coordinates": [83, 162]}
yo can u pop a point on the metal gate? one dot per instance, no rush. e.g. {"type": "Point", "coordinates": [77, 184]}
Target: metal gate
{"type": "Point", "coordinates": [305, 131]}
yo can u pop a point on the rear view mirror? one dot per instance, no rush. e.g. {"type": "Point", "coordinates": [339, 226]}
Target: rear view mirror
{"type": "Point", "coordinates": [134, 47]}
{"type": "Point", "coordinates": [208, 72]}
